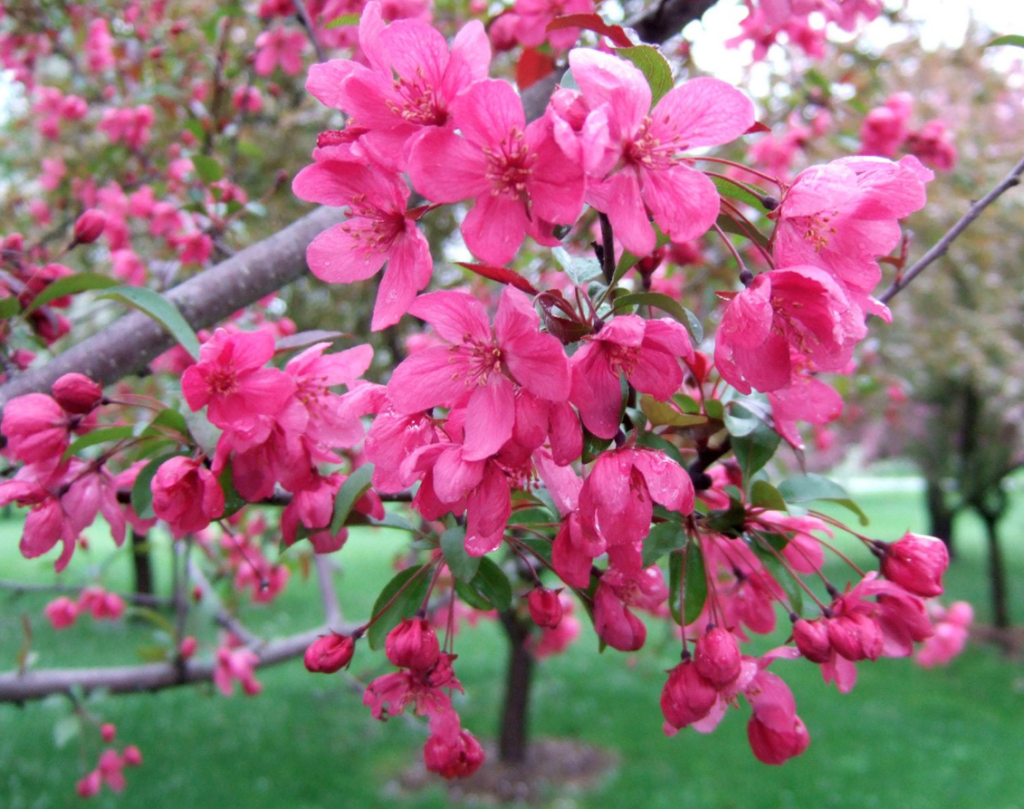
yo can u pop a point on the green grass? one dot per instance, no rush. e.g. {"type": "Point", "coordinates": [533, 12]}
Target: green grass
{"type": "Point", "coordinates": [905, 737]}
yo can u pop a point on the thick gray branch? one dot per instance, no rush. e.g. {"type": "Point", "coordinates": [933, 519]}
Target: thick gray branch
{"type": "Point", "coordinates": [16, 687]}
{"type": "Point", "coordinates": [127, 346]}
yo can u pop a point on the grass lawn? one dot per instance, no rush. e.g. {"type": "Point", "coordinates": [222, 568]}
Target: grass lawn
{"type": "Point", "coordinates": [904, 738]}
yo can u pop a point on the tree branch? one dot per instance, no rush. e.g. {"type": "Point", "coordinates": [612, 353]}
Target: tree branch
{"type": "Point", "coordinates": [668, 18]}
{"type": "Point", "coordinates": [127, 346]}
{"type": "Point", "coordinates": [32, 685]}
{"type": "Point", "coordinates": [942, 246]}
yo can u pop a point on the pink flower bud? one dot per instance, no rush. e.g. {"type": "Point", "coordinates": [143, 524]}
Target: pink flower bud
{"type": "Point", "coordinates": [330, 653]}
{"type": "Point", "coordinates": [77, 394]}
{"type": "Point", "coordinates": [717, 657]}
{"type": "Point", "coordinates": [90, 785]}
{"type": "Point", "coordinates": [855, 637]}
{"type": "Point", "coordinates": [187, 495]}
{"type": "Point", "coordinates": [687, 697]}
{"type": "Point", "coordinates": [774, 746]}
{"type": "Point", "coordinates": [108, 732]}
{"type": "Point", "coordinates": [188, 647]}
{"type": "Point", "coordinates": [412, 645]}
{"type": "Point", "coordinates": [62, 612]}
{"type": "Point", "coordinates": [811, 638]}
{"type": "Point", "coordinates": [545, 607]}
{"type": "Point", "coordinates": [916, 563]}
{"type": "Point", "coordinates": [89, 226]}
{"type": "Point", "coordinates": [36, 428]}
{"type": "Point", "coordinates": [132, 756]}
{"type": "Point", "coordinates": [457, 757]}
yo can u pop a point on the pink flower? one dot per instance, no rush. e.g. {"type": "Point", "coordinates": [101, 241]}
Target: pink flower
{"type": "Point", "coordinates": [377, 231]}
{"type": "Point", "coordinates": [632, 152]}
{"type": "Point", "coordinates": [413, 644]}
{"type": "Point", "coordinates": [186, 495]}
{"type": "Point", "coordinates": [951, 631]}
{"type": "Point", "coordinates": [775, 732]}
{"type": "Point", "coordinates": [686, 697]}
{"type": "Point", "coordinates": [535, 15]}
{"type": "Point", "coordinates": [842, 216]}
{"type": "Point", "coordinates": [933, 143]}
{"type": "Point", "coordinates": [409, 83]}
{"type": "Point", "coordinates": [231, 381]}
{"type": "Point", "coordinates": [479, 367]}
{"type": "Point", "coordinates": [99, 46]}
{"type": "Point", "coordinates": [885, 128]}
{"type": "Point", "coordinates": [647, 351]}
{"type": "Point", "coordinates": [37, 428]}
{"type": "Point", "coordinates": [916, 563]}
{"type": "Point", "coordinates": [62, 612]}
{"type": "Point", "coordinates": [329, 653]}
{"type": "Point", "coordinates": [717, 657]}
{"type": "Point", "coordinates": [545, 607]}
{"type": "Point", "coordinates": [236, 664]}
{"type": "Point", "coordinates": [279, 46]}
{"type": "Point", "coordinates": [797, 309]}
{"type": "Point", "coordinates": [517, 174]}
{"type": "Point", "coordinates": [77, 394]}
{"type": "Point", "coordinates": [458, 757]}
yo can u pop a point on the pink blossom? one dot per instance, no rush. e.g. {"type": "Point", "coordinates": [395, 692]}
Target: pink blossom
{"type": "Point", "coordinates": [329, 653]}
{"type": "Point", "coordinates": [916, 563]}
{"type": "Point", "coordinates": [236, 664]}
{"type": "Point", "coordinates": [686, 697]}
{"type": "Point", "coordinates": [632, 152]}
{"type": "Point", "coordinates": [517, 174]}
{"type": "Point", "coordinates": [717, 657]}
{"type": "Point", "coordinates": [130, 124]}
{"type": "Point", "coordinates": [186, 495]}
{"type": "Point", "coordinates": [62, 612]}
{"type": "Point", "coordinates": [545, 607]}
{"type": "Point", "coordinates": [279, 46]}
{"type": "Point", "coordinates": [479, 367]}
{"type": "Point", "coordinates": [37, 428]}
{"type": "Point", "coordinates": [230, 379]}
{"type": "Point", "coordinates": [885, 128]}
{"type": "Point", "coordinates": [535, 15]}
{"type": "Point", "coordinates": [797, 309]}
{"type": "Point", "coordinates": [458, 757]}
{"type": "Point", "coordinates": [951, 631]}
{"type": "Point", "coordinates": [646, 351]}
{"type": "Point", "coordinates": [842, 216]}
{"type": "Point", "coordinates": [99, 46]}
{"type": "Point", "coordinates": [377, 231]}
{"type": "Point", "coordinates": [933, 143]}
{"type": "Point", "coordinates": [409, 83]}
{"type": "Point", "coordinates": [775, 732]}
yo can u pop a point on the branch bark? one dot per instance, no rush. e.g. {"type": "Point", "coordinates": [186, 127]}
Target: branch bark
{"type": "Point", "coordinates": [33, 685]}
{"type": "Point", "coordinates": [127, 346]}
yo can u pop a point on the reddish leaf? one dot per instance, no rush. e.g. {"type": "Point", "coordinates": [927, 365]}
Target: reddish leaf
{"type": "Point", "coordinates": [592, 22]}
{"type": "Point", "coordinates": [532, 67]}
{"type": "Point", "coordinates": [503, 275]}
{"type": "Point", "coordinates": [757, 127]}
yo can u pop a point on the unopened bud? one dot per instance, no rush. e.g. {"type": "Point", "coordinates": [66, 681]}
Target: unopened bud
{"type": "Point", "coordinates": [131, 756]}
{"type": "Point", "coordinates": [330, 653]}
{"type": "Point", "coordinates": [89, 226]}
{"type": "Point", "coordinates": [545, 607]}
{"type": "Point", "coordinates": [811, 638]}
{"type": "Point", "coordinates": [413, 645]}
{"type": "Point", "coordinates": [108, 732]}
{"type": "Point", "coordinates": [916, 563]}
{"type": "Point", "coordinates": [718, 657]}
{"type": "Point", "coordinates": [77, 394]}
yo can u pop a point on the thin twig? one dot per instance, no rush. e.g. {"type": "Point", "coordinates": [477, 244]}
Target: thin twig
{"type": "Point", "coordinates": [940, 247]}
{"type": "Point", "coordinates": [307, 23]}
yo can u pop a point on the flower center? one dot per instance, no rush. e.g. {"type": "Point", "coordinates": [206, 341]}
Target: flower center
{"type": "Point", "coordinates": [510, 165]}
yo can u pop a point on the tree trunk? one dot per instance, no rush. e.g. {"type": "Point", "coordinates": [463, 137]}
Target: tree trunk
{"type": "Point", "coordinates": [996, 573]}
{"type": "Point", "coordinates": [142, 564]}
{"type": "Point", "coordinates": [940, 515]}
{"type": "Point", "coordinates": [512, 744]}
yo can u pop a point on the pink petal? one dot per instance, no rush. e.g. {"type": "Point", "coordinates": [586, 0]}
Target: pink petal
{"type": "Point", "coordinates": [495, 227]}
{"type": "Point", "coordinates": [489, 418]}
{"type": "Point", "coordinates": [455, 316]}
{"type": "Point", "coordinates": [606, 79]}
{"type": "Point", "coordinates": [684, 202]}
{"type": "Point", "coordinates": [488, 112]}
{"type": "Point", "coordinates": [536, 360]}
{"type": "Point", "coordinates": [447, 168]}
{"type": "Point", "coordinates": [702, 112]}
{"type": "Point", "coordinates": [425, 380]}
{"type": "Point", "coordinates": [324, 81]}
{"type": "Point", "coordinates": [336, 257]}
{"type": "Point", "coordinates": [409, 269]}
{"type": "Point", "coordinates": [620, 198]}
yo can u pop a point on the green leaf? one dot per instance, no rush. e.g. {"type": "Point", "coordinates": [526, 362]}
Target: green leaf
{"type": "Point", "coordinates": [168, 418]}
{"type": "Point", "coordinates": [653, 65]}
{"type": "Point", "coordinates": [304, 339]}
{"type": "Point", "coordinates": [394, 521]}
{"type": "Point", "coordinates": [354, 487]}
{"type": "Point", "coordinates": [100, 436]}
{"type": "Point", "coordinates": [666, 304]}
{"type": "Point", "coordinates": [151, 653]}
{"type": "Point", "coordinates": [142, 489]}
{"type": "Point", "coordinates": [813, 77]}
{"type": "Point", "coordinates": [161, 310]}
{"type": "Point", "coordinates": [754, 450]}
{"type": "Point", "coordinates": [740, 422]}
{"type": "Point", "coordinates": [64, 730]}
{"type": "Point", "coordinates": [492, 582]}
{"type": "Point", "coordinates": [405, 605]}
{"type": "Point", "coordinates": [70, 285]}
{"type": "Point", "coordinates": [453, 545]}
{"type": "Point", "coordinates": [696, 584]}
{"type": "Point", "coordinates": [664, 537]}
{"type": "Point", "coordinates": [675, 580]}
{"type": "Point", "coordinates": [9, 307]}
{"type": "Point", "coordinates": [764, 495]}
{"type": "Point", "coordinates": [472, 596]}
{"type": "Point", "coordinates": [342, 21]}
{"type": "Point", "coordinates": [208, 169]}
{"type": "Point", "coordinates": [233, 501]}
{"type": "Point", "coordinates": [655, 441]}
{"type": "Point", "coordinates": [807, 488]}
{"type": "Point", "coordinates": [742, 192]}
{"type": "Point", "coordinates": [714, 408]}
{"type": "Point", "coordinates": [1008, 39]}
{"type": "Point", "coordinates": [539, 547]}
{"type": "Point", "coordinates": [580, 270]}
{"type": "Point", "coordinates": [662, 413]}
